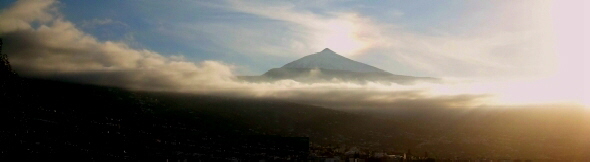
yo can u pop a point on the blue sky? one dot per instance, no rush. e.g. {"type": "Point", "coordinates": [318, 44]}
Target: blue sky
{"type": "Point", "coordinates": [207, 30]}
{"type": "Point", "coordinates": [523, 51]}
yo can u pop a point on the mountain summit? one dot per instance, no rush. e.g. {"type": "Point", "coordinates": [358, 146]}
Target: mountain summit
{"type": "Point", "coordinates": [327, 65]}
{"type": "Point", "coordinates": [328, 50]}
{"type": "Point", "coordinates": [328, 59]}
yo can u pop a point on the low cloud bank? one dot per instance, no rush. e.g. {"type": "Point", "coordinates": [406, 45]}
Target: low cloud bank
{"type": "Point", "coordinates": [57, 49]}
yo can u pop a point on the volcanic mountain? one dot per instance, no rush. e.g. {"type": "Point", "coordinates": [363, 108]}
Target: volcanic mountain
{"type": "Point", "coordinates": [326, 65]}
{"type": "Point", "coordinates": [328, 59]}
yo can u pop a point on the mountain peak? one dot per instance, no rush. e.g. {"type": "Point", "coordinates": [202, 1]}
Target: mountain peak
{"type": "Point", "coordinates": [327, 51]}
{"type": "Point", "coordinates": [328, 59]}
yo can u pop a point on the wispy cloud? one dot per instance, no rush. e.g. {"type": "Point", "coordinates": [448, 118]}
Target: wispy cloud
{"type": "Point", "coordinates": [59, 49]}
{"type": "Point", "coordinates": [516, 47]}
{"type": "Point", "coordinates": [100, 22]}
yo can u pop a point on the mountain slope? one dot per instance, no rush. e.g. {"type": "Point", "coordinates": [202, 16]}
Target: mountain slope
{"type": "Point", "coordinates": [325, 66]}
{"type": "Point", "coordinates": [328, 59]}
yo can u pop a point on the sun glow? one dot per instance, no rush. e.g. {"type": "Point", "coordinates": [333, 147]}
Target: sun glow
{"type": "Point", "coordinates": [339, 35]}
{"type": "Point", "coordinates": [543, 91]}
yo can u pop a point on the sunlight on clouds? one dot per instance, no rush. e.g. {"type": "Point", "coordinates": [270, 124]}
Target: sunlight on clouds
{"type": "Point", "coordinates": [58, 46]}
{"type": "Point", "coordinates": [510, 92]}
{"type": "Point", "coordinates": [516, 40]}
{"type": "Point", "coordinates": [347, 34]}
{"type": "Point", "coordinates": [340, 37]}
{"type": "Point", "coordinates": [337, 31]}
{"type": "Point", "coordinates": [571, 25]}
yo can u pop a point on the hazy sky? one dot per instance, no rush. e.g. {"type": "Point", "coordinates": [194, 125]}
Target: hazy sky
{"type": "Point", "coordinates": [529, 50]}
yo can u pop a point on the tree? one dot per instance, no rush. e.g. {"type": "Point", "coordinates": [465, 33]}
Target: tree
{"type": "Point", "coordinates": [6, 71]}
{"type": "Point", "coordinates": [8, 78]}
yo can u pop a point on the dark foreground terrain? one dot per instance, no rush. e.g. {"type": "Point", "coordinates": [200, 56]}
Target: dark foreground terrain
{"type": "Point", "coordinates": [48, 119]}
{"type": "Point", "coordinates": [43, 119]}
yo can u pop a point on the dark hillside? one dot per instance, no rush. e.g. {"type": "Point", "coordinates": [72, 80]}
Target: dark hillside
{"type": "Point", "coordinates": [57, 119]}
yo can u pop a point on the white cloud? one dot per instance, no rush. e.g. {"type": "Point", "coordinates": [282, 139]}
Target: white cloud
{"type": "Point", "coordinates": [515, 44]}
{"type": "Point", "coordinates": [57, 46]}
{"type": "Point", "coordinates": [57, 49]}
{"type": "Point", "coordinates": [24, 12]}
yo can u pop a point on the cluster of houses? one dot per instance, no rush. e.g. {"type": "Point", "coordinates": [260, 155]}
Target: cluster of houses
{"type": "Point", "coordinates": [356, 154]}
